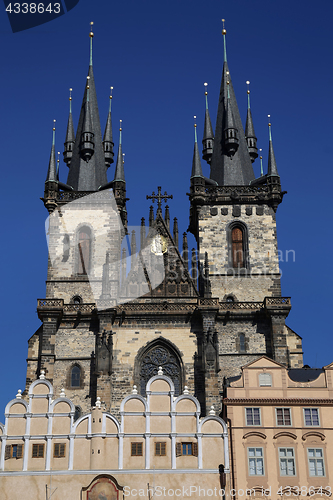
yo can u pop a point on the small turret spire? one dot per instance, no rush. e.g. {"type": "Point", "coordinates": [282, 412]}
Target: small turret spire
{"type": "Point", "coordinates": [224, 32]}
{"type": "Point", "coordinates": [196, 163]}
{"type": "Point", "coordinates": [108, 139]}
{"type": "Point", "coordinates": [87, 136]}
{"type": "Point", "coordinates": [91, 36]}
{"type": "Point", "coordinates": [231, 141]}
{"type": "Point", "coordinates": [58, 163]}
{"type": "Point", "coordinates": [208, 136]}
{"type": "Point", "coordinates": [261, 167]}
{"type": "Point", "coordinates": [272, 168]}
{"type": "Point", "coordinates": [249, 130]}
{"type": "Point", "coordinates": [151, 215]}
{"type": "Point", "coordinates": [70, 135]}
{"type": "Point", "coordinates": [52, 170]}
{"type": "Point", "coordinates": [119, 173]}
{"type": "Point", "coordinates": [175, 231]}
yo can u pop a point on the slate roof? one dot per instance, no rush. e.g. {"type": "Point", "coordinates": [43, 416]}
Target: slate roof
{"type": "Point", "coordinates": [88, 176]}
{"type": "Point", "coordinates": [236, 170]}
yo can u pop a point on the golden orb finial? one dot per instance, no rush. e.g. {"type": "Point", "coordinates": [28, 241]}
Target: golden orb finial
{"type": "Point", "coordinates": [91, 34]}
{"type": "Point", "coordinates": [224, 31]}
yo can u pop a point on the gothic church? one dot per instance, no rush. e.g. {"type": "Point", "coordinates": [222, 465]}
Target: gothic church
{"type": "Point", "coordinates": [106, 327]}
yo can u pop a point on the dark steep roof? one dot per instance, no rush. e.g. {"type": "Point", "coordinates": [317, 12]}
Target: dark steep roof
{"type": "Point", "coordinates": [227, 170]}
{"type": "Point", "coordinates": [88, 176]}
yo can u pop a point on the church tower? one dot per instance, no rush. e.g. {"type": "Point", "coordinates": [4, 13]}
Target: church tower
{"type": "Point", "coordinates": [233, 218]}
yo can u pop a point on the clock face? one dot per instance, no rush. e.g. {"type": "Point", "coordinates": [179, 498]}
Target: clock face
{"type": "Point", "coordinates": [159, 245]}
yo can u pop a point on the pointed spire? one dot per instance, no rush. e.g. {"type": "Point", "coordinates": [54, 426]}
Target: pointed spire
{"type": "Point", "coordinates": [58, 162]}
{"type": "Point", "coordinates": [87, 136]}
{"type": "Point", "coordinates": [272, 168]}
{"type": "Point", "coordinates": [231, 163]}
{"type": "Point", "coordinates": [175, 231]}
{"type": "Point", "coordinates": [151, 215]}
{"type": "Point", "coordinates": [120, 173]}
{"type": "Point", "coordinates": [249, 130]}
{"type": "Point", "coordinates": [231, 141]}
{"type": "Point", "coordinates": [108, 139]}
{"type": "Point", "coordinates": [208, 136]}
{"type": "Point", "coordinates": [224, 32]}
{"type": "Point", "coordinates": [143, 233]}
{"type": "Point", "coordinates": [185, 250]}
{"type": "Point", "coordinates": [196, 163]}
{"type": "Point", "coordinates": [91, 36]}
{"type": "Point", "coordinates": [261, 167]}
{"type": "Point", "coordinates": [167, 216]}
{"type": "Point", "coordinates": [70, 134]}
{"type": "Point", "coordinates": [88, 174]}
{"type": "Point", "coordinates": [52, 170]}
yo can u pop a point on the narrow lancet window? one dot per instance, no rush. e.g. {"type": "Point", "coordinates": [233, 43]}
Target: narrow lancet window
{"type": "Point", "coordinates": [237, 247]}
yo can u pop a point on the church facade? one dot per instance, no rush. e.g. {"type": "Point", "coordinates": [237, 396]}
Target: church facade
{"type": "Point", "coordinates": [145, 351]}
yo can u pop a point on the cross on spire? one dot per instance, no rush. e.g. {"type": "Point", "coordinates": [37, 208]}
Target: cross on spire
{"type": "Point", "coordinates": [159, 197]}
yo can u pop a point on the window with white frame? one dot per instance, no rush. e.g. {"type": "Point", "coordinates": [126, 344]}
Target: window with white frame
{"type": "Point", "coordinates": [256, 461]}
{"type": "Point", "coordinates": [316, 462]}
{"type": "Point", "coordinates": [287, 462]}
{"type": "Point", "coordinates": [283, 416]}
{"type": "Point", "coordinates": [265, 380]}
{"type": "Point", "coordinates": [311, 416]}
{"type": "Point", "coordinates": [253, 416]}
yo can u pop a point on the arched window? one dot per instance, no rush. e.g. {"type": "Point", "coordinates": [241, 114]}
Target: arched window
{"type": "Point", "coordinates": [84, 250]}
{"type": "Point", "coordinates": [160, 355]}
{"type": "Point", "coordinates": [230, 298]}
{"type": "Point", "coordinates": [242, 347]}
{"type": "Point", "coordinates": [75, 376]}
{"type": "Point", "coordinates": [76, 299]}
{"type": "Point", "coordinates": [237, 247]}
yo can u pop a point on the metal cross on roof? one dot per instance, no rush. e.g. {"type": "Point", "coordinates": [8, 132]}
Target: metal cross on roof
{"type": "Point", "coordinates": [159, 197]}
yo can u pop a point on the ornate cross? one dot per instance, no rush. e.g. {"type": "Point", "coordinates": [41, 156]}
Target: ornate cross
{"type": "Point", "coordinates": [159, 197]}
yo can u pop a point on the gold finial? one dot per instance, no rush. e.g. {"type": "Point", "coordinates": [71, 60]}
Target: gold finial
{"type": "Point", "coordinates": [224, 31]}
{"type": "Point", "coordinates": [121, 121]}
{"type": "Point", "coordinates": [54, 121]}
{"type": "Point", "coordinates": [88, 78]}
{"type": "Point", "coordinates": [111, 89]}
{"type": "Point", "coordinates": [195, 119]}
{"type": "Point", "coordinates": [260, 154]}
{"type": "Point", "coordinates": [70, 94]}
{"type": "Point", "coordinates": [205, 84]}
{"type": "Point", "coordinates": [123, 158]}
{"type": "Point", "coordinates": [248, 89]}
{"type": "Point", "coordinates": [269, 120]}
{"type": "Point", "coordinates": [91, 34]}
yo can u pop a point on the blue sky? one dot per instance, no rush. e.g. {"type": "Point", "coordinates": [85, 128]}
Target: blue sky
{"type": "Point", "coordinates": [157, 55]}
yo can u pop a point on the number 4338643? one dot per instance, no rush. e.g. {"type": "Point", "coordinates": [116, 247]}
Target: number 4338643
{"type": "Point", "coordinates": [33, 8]}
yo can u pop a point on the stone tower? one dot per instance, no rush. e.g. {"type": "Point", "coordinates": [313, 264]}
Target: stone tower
{"type": "Point", "coordinates": [112, 316]}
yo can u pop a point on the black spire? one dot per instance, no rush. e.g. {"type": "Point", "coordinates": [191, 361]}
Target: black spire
{"type": "Point", "coordinates": [108, 139]}
{"type": "Point", "coordinates": [70, 135]}
{"type": "Point", "coordinates": [90, 173]}
{"type": "Point", "coordinates": [208, 136]}
{"type": "Point", "coordinates": [272, 168]}
{"type": "Point", "coordinates": [249, 131]}
{"type": "Point", "coordinates": [87, 145]}
{"type": "Point", "coordinates": [120, 173]}
{"type": "Point", "coordinates": [196, 163]}
{"type": "Point", "coordinates": [52, 170]}
{"type": "Point", "coordinates": [228, 167]}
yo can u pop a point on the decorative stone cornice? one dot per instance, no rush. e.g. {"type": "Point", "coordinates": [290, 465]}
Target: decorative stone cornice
{"type": "Point", "coordinates": [278, 401]}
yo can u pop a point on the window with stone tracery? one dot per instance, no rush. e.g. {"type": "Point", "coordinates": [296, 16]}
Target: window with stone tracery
{"type": "Point", "coordinates": [151, 361]}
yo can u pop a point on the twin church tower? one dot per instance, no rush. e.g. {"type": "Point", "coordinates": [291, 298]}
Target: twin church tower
{"type": "Point", "coordinates": [112, 317]}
